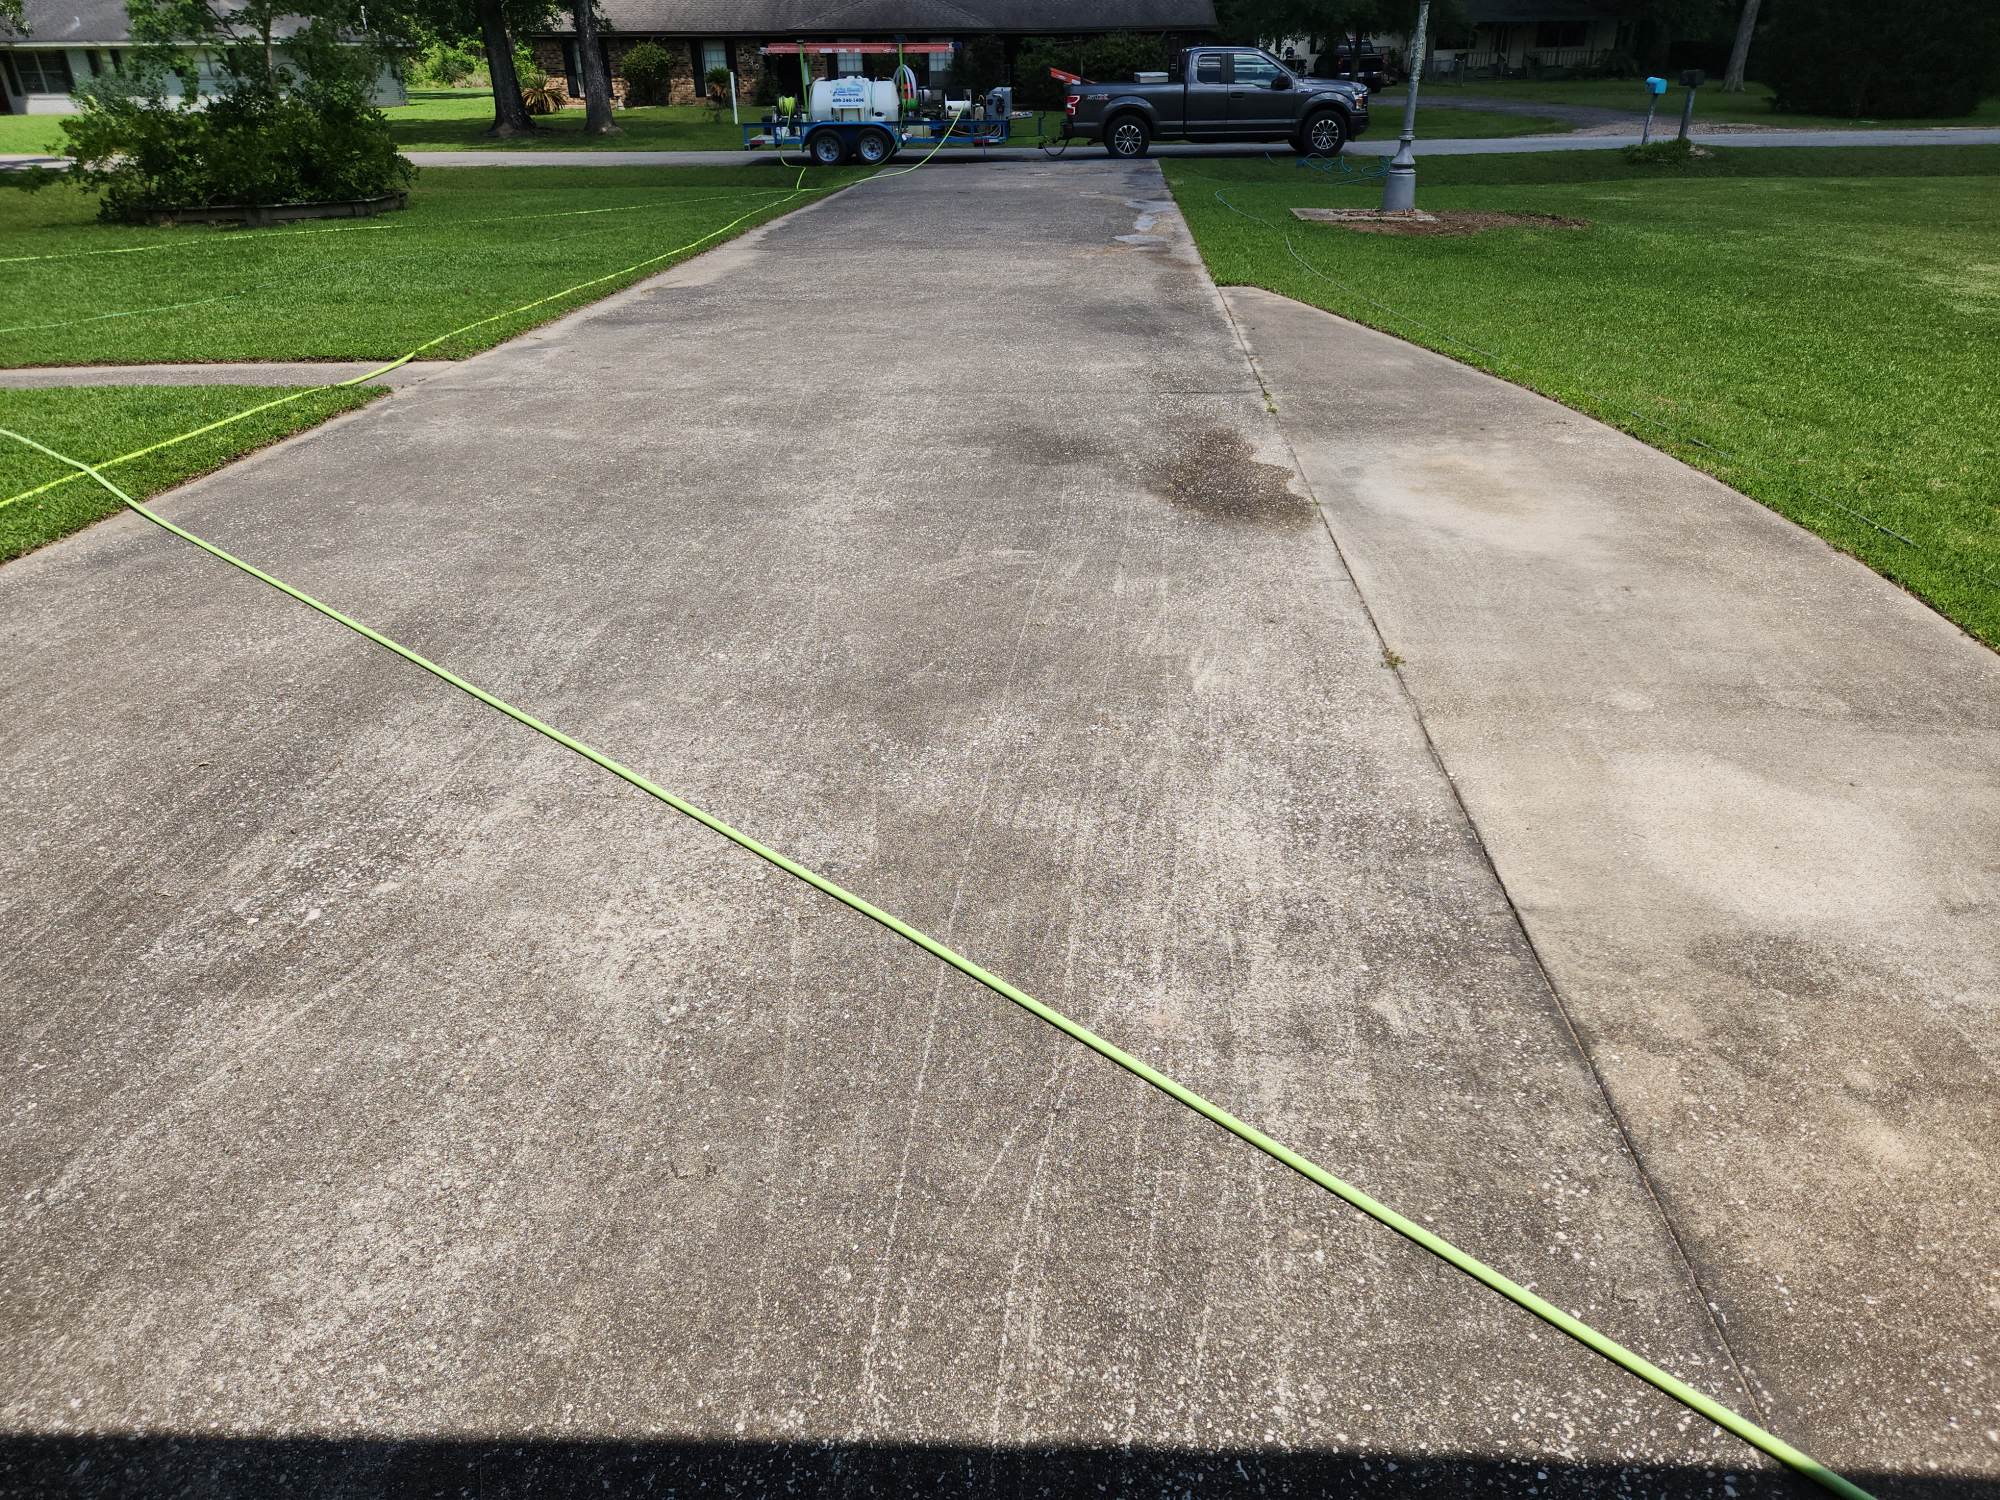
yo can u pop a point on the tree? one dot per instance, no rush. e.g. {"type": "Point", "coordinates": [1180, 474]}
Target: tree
{"type": "Point", "coordinates": [1739, 52]}
{"type": "Point", "coordinates": [596, 77]}
{"type": "Point", "coordinates": [1829, 57]}
{"type": "Point", "coordinates": [13, 17]}
{"type": "Point", "coordinates": [492, 24]}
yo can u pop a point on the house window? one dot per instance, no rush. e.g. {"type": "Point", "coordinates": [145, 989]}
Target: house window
{"type": "Point", "coordinates": [43, 72]}
{"type": "Point", "coordinates": [847, 64]}
{"type": "Point", "coordinates": [1560, 33]}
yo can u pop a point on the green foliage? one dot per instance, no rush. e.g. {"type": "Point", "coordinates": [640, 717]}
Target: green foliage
{"type": "Point", "coordinates": [448, 65]}
{"type": "Point", "coordinates": [1674, 153]}
{"type": "Point", "coordinates": [527, 72]}
{"type": "Point", "coordinates": [717, 80]}
{"type": "Point", "coordinates": [254, 143]}
{"type": "Point", "coordinates": [648, 70]}
{"type": "Point", "coordinates": [1834, 57]}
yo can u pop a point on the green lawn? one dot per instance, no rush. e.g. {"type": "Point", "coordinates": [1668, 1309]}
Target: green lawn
{"type": "Point", "coordinates": [458, 123]}
{"type": "Point", "coordinates": [95, 423]}
{"type": "Point", "coordinates": [1751, 107]}
{"type": "Point", "coordinates": [474, 242]}
{"type": "Point", "coordinates": [30, 135]}
{"type": "Point", "coordinates": [1831, 319]}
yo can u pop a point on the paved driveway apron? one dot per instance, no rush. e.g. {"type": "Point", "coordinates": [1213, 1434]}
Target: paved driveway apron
{"type": "Point", "coordinates": [379, 1071]}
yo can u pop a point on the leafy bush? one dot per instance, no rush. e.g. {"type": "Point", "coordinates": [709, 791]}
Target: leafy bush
{"type": "Point", "coordinates": [256, 143]}
{"type": "Point", "coordinates": [448, 65]}
{"type": "Point", "coordinates": [717, 80]}
{"type": "Point", "coordinates": [527, 72]}
{"type": "Point", "coordinates": [1834, 57]}
{"type": "Point", "coordinates": [649, 71]}
{"type": "Point", "coordinates": [976, 67]}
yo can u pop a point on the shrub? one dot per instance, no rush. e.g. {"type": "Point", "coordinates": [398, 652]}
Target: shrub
{"type": "Point", "coordinates": [717, 80]}
{"type": "Point", "coordinates": [1835, 57]}
{"type": "Point", "coordinates": [447, 65]}
{"type": "Point", "coordinates": [257, 143]}
{"type": "Point", "coordinates": [546, 97]}
{"type": "Point", "coordinates": [648, 70]}
{"type": "Point", "coordinates": [527, 72]}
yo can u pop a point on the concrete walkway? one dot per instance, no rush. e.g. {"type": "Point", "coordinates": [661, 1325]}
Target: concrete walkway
{"type": "Point", "coordinates": [1380, 142]}
{"type": "Point", "coordinates": [1746, 798]}
{"type": "Point", "coordinates": [306, 372]}
{"type": "Point", "coordinates": [398, 1104]}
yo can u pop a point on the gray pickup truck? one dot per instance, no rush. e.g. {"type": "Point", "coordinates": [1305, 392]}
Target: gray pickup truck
{"type": "Point", "coordinates": [1224, 94]}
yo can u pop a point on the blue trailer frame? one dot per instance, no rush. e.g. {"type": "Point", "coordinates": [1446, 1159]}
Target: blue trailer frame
{"type": "Point", "coordinates": [818, 138]}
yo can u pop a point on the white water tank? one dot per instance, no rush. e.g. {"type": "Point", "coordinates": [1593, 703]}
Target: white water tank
{"type": "Point", "coordinates": [853, 99]}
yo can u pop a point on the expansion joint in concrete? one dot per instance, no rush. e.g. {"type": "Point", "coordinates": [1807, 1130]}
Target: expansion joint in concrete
{"type": "Point", "coordinates": [1390, 660]}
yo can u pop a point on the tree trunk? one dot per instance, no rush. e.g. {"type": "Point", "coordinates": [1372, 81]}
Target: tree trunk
{"type": "Point", "coordinates": [510, 114]}
{"type": "Point", "coordinates": [1732, 81]}
{"type": "Point", "coordinates": [596, 77]}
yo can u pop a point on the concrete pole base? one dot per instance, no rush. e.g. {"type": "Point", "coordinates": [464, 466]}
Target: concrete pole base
{"type": "Point", "coordinates": [1399, 188]}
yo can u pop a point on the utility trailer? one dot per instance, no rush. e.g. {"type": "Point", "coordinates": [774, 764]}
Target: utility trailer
{"type": "Point", "coordinates": [869, 120]}
{"type": "Point", "coordinates": [830, 142]}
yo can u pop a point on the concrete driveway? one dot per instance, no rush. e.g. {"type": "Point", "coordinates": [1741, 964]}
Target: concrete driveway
{"type": "Point", "coordinates": [397, 1105]}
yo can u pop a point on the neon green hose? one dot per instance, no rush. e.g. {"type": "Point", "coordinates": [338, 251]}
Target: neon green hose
{"type": "Point", "coordinates": [1478, 1270]}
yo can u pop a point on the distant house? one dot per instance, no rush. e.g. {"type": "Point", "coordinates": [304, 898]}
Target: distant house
{"type": "Point", "coordinates": [70, 42]}
{"type": "Point", "coordinates": [702, 35]}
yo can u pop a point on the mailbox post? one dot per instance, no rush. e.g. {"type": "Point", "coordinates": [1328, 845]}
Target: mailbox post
{"type": "Point", "coordinates": [1654, 88]}
{"type": "Point", "coordinates": [1691, 80]}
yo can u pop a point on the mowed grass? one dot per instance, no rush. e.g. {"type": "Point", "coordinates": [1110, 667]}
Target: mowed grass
{"type": "Point", "coordinates": [1751, 107]}
{"type": "Point", "coordinates": [459, 123]}
{"type": "Point", "coordinates": [1828, 320]}
{"type": "Point", "coordinates": [96, 423]}
{"type": "Point", "coordinates": [474, 243]}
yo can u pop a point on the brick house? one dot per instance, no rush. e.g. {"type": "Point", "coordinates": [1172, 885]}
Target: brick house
{"type": "Point", "coordinates": [701, 35]}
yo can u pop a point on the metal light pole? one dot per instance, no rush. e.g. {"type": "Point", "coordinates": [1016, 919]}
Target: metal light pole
{"type": "Point", "coordinates": [1399, 189]}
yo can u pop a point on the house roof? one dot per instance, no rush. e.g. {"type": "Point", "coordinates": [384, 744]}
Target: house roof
{"type": "Point", "coordinates": [71, 22]}
{"type": "Point", "coordinates": [84, 23]}
{"type": "Point", "coordinates": [839, 19]}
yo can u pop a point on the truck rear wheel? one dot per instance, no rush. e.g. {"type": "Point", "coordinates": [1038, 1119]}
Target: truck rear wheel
{"type": "Point", "coordinates": [1324, 134]}
{"type": "Point", "coordinates": [827, 148]}
{"type": "Point", "coordinates": [1127, 137]}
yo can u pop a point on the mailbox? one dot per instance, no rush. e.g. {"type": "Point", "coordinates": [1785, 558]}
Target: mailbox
{"type": "Point", "coordinates": [1693, 78]}
{"type": "Point", "coordinates": [1656, 85]}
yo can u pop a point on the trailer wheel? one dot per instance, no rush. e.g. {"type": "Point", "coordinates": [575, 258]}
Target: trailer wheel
{"type": "Point", "coordinates": [827, 148]}
{"type": "Point", "coordinates": [1324, 135]}
{"type": "Point", "coordinates": [873, 147]}
{"type": "Point", "coordinates": [1127, 137]}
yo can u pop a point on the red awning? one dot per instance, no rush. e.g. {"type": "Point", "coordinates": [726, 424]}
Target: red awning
{"type": "Point", "coordinates": [823, 49]}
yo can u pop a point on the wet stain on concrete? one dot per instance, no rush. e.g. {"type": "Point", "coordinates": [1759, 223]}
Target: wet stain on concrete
{"type": "Point", "coordinates": [1216, 474]}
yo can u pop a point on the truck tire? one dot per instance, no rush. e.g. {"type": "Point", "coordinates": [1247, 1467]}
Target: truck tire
{"type": "Point", "coordinates": [873, 147]}
{"type": "Point", "coordinates": [1323, 134]}
{"type": "Point", "coordinates": [827, 148]}
{"type": "Point", "coordinates": [1126, 137]}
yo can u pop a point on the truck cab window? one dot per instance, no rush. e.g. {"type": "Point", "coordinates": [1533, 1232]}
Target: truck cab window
{"type": "Point", "coordinates": [1252, 69]}
{"type": "Point", "coordinates": [1208, 69]}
